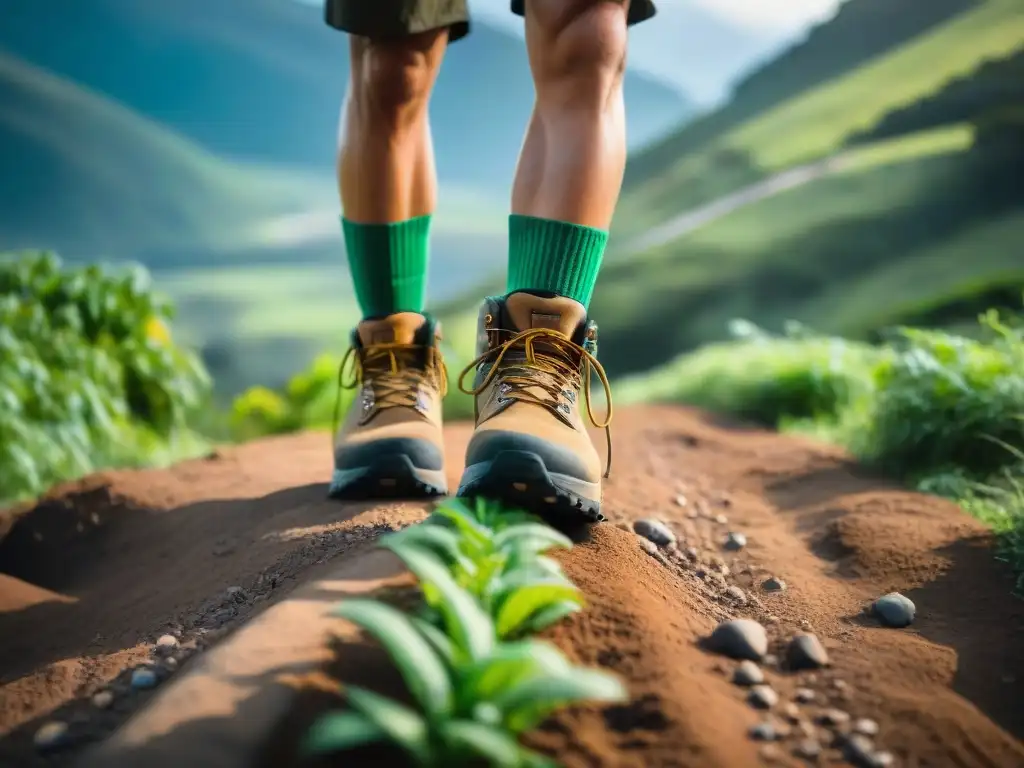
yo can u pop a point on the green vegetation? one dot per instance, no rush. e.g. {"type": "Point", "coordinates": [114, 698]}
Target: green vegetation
{"type": "Point", "coordinates": [476, 678]}
{"type": "Point", "coordinates": [685, 172]}
{"type": "Point", "coordinates": [941, 411]}
{"type": "Point", "coordinates": [89, 375]}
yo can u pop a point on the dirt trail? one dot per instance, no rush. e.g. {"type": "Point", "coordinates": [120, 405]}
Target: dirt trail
{"type": "Point", "coordinates": [90, 578]}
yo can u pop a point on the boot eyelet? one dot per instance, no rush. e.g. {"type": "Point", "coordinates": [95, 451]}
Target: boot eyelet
{"type": "Point", "coordinates": [569, 395]}
{"type": "Point", "coordinates": [564, 408]}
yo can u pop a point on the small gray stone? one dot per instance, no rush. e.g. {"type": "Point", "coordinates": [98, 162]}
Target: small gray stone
{"type": "Point", "coordinates": [804, 695]}
{"type": "Point", "coordinates": [763, 697]}
{"type": "Point", "coordinates": [143, 678]}
{"type": "Point", "coordinates": [103, 700]}
{"type": "Point", "coordinates": [834, 718]}
{"type": "Point", "coordinates": [748, 673]}
{"type": "Point", "coordinates": [739, 639]}
{"type": "Point", "coordinates": [736, 594]}
{"type": "Point", "coordinates": [860, 751]}
{"type": "Point", "coordinates": [51, 736]}
{"type": "Point", "coordinates": [166, 643]}
{"type": "Point", "coordinates": [895, 610]}
{"type": "Point", "coordinates": [656, 531]}
{"type": "Point", "coordinates": [808, 749]}
{"type": "Point", "coordinates": [764, 732]}
{"type": "Point", "coordinates": [773, 584]}
{"type": "Point", "coordinates": [866, 727]}
{"type": "Point", "coordinates": [236, 593]}
{"type": "Point", "coordinates": [771, 660]}
{"type": "Point", "coordinates": [805, 651]}
{"type": "Point", "coordinates": [734, 542]}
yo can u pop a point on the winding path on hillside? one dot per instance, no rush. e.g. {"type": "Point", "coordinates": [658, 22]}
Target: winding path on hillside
{"type": "Point", "coordinates": [90, 578]}
{"type": "Point", "coordinates": [693, 219]}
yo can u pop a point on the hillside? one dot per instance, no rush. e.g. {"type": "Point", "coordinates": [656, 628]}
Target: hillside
{"type": "Point", "coordinates": [262, 80]}
{"type": "Point", "coordinates": [816, 122]}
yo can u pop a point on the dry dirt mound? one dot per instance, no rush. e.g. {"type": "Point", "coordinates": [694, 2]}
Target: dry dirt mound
{"type": "Point", "coordinates": [91, 577]}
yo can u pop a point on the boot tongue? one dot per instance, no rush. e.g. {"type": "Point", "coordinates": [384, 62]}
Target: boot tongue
{"type": "Point", "coordinates": [526, 311]}
{"type": "Point", "coordinates": [399, 328]}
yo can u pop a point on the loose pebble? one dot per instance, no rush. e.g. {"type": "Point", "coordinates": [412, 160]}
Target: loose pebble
{"type": "Point", "coordinates": [773, 584]}
{"type": "Point", "coordinates": [721, 519]}
{"type": "Point", "coordinates": [681, 501]}
{"type": "Point", "coordinates": [748, 673]}
{"type": "Point", "coordinates": [763, 697]}
{"type": "Point", "coordinates": [237, 594]}
{"type": "Point", "coordinates": [763, 732]}
{"type": "Point", "coordinates": [805, 651]}
{"type": "Point", "coordinates": [834, 717]}
{"type": "Point", "coordinates": [50, 736]}
{"type": "Point", "coordinates": [771, 660]}
{"type": "Point", "coordinates": [895, 610]}
{"type": "Point", "coordinates": [170, 663]}
{"type": "Point", "coordinates": [791, 712]}
{"type": "Point", "coordinates": [693, 553]}
{"type": "Point", "coordinates": [656, 531]}
{"type": "Point", "coordinates": [736, 594]}
{"type": "Point", "coordinates": [143, 678]}
{"type": "Point", "coordinates": [865, 726]}
{"type": "Point", "coordinates": [734, 542]}
{"type": "Point", "coordinates": [808, 749]}
{"type": "Point", "coordinates": [739, 639]}
{"type": "Point", "coordinates": [804, 695]}
{"type": "Point", "coordinates": [860, 751]}
{"type": "Point", "coordinates": [166, 643]}
{"type": "Point", "coordinates": [840, 685]}
{"type": "Point", "coordinates": [103, 700]}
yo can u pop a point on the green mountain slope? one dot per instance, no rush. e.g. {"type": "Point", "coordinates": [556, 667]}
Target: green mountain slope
{"type": "Point", "coordinates": [820, 121]}
{"type": "Point", "coordinates": [114, 185]}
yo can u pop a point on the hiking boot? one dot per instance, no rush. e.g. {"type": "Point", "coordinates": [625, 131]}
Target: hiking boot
{"type": "Point", "coordinates": [391, 443]}
{"type": "Point", "coordinates": [530, 448]}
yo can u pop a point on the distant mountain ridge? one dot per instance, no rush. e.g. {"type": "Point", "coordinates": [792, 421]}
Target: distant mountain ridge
{"type": "Point", "coordinates": [262, 80]}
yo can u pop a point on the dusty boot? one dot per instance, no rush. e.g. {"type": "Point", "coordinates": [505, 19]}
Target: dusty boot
{"type": "Point", "coordinates": [531, 448]}
{"type": "Point", "coordinates": [391, 443]}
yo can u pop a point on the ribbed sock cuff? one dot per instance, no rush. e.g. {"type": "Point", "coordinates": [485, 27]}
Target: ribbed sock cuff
{"type": "Point", "coordinates": [555, 256]}
{"type": "Point", "coordinates": [388, 263]}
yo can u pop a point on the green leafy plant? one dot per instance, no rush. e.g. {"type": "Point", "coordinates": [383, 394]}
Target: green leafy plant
{"type": "Point", "coordinates": [502, 568]}
{"type": "Point", "coordinates": [475, 690]}
{"type": "Point", "coordinates": [89, 373]}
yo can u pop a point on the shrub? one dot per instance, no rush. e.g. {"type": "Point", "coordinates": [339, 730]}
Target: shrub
{"type": "Point", "coordinates": [89, 373]}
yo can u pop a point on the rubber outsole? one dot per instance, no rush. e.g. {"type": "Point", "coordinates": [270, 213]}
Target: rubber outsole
{"type": "Point", "coordinates": [390, 477]}
{"type": "Point", "coordinates": [521, 479]}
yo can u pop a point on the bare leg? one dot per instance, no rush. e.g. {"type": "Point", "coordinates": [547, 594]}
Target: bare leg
{"type": "Point", "coordinates": [385, 154]}
{"type": "Point", "coordinates": [572, 160]}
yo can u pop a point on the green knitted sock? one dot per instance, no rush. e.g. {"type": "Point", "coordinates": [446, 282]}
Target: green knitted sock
{"type": "Point", "coordinates": [388, 263]}
{"type": "Point", "coordinates": [555, 256]}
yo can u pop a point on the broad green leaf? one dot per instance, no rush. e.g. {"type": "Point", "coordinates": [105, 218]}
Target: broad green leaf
{"type": "Point", "coordinates": [441, 540]}
{"type": "Point", "coordinates": [509, 664]}
{"type": "Point", "coordinates": [527, 704]}
{"type": "Point", "coordinates": [545, 617]}
{"type": "Point", "coordinates": [341, 731]}
{"type": "Point", "coordinates": [476, 741]}
{"type": "Point", "coordinates": [535, 536]}
{"type": "Point", "coordinates": [519, 603]}
{"type": "Point", "coordinates": [402, 726]}
{"type": "Point", "coordinates": [457, 513]}
{"type": "Point", "coordinates": [419, 664]}
{"type": "Point", "coordinates": [438, 640]}
{"type": "Point", "coordinates": [468, 626]}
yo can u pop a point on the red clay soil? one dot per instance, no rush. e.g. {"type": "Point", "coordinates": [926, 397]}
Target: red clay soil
{"type": "Point", "coordinates": [93, 575]}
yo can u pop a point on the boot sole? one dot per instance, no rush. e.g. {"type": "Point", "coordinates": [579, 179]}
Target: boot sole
{"type": "Point", "coordinates": [389, 477]}
{"type": "Point", "coordinates": [521, 479]}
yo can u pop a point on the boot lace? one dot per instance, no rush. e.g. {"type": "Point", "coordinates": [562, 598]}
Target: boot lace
{"type": "Point", "coordinates": [394, 373]}
{"type": "Point", "coordinates": [542, 366]}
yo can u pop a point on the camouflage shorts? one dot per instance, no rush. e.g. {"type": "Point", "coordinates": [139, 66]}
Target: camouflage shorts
{"type": "Point", "coordinates": [398, 18]}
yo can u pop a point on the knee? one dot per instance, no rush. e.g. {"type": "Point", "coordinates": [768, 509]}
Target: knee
{"type": "Point", "coordinates": [584, 44]}
{"type": "Point", "coordinates": [391, 80]}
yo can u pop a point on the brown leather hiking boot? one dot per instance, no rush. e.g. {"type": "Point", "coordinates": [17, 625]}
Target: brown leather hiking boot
{"type": "Point", "coordinates": [531, 448]}
{"type": "Point", "coordinates": [391, 444]}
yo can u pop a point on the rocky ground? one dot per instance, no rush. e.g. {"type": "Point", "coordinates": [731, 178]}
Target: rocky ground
{"type": "Point", "coordinates": [768, 601]}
